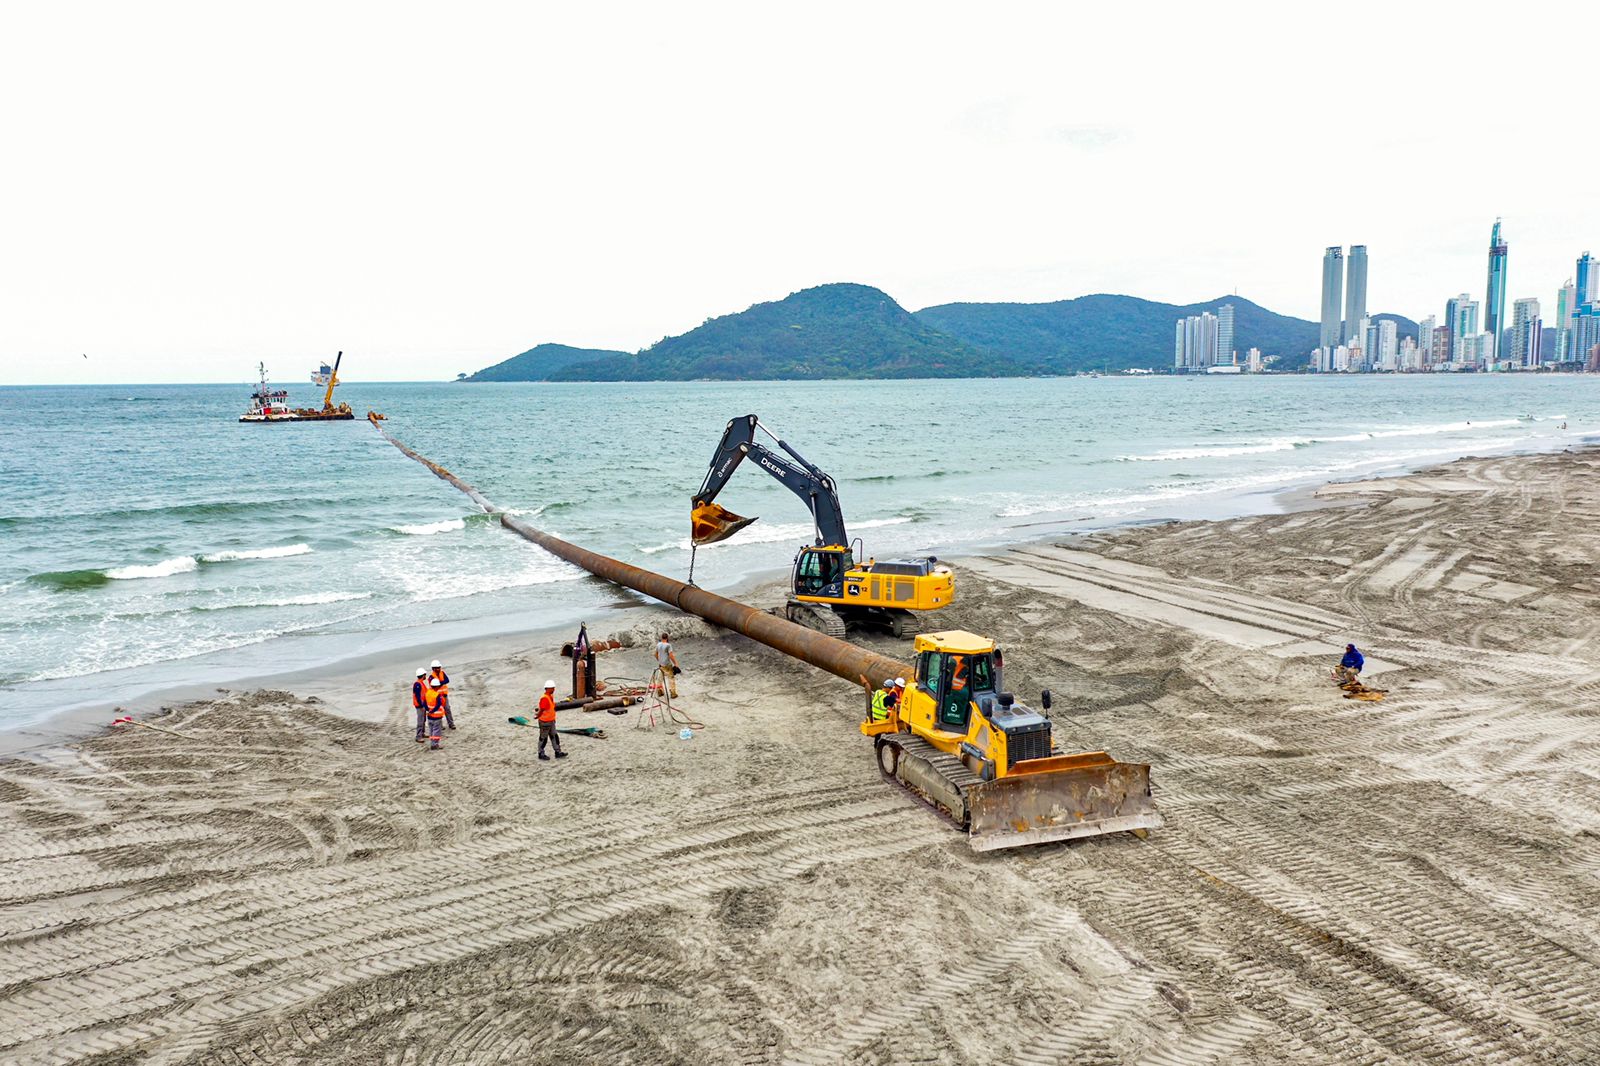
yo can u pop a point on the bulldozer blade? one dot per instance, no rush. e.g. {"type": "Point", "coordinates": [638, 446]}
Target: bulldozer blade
{"type": "Point", "coordinates": [712, 522]}
{"type": "Point", "coordinates": [1088, 795]}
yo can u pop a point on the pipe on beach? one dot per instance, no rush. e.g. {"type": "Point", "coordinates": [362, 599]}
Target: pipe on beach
{"type": "Point", "coordinates": [856, 665]}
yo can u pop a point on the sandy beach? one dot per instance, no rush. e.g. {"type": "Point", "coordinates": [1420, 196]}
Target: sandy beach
{"type": "Point", "coordinates": [1415, 880]}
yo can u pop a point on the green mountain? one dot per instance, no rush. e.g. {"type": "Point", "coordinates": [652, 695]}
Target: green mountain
{"type": "Point", "coordinates": [1105, 332]}
{"type": "Point", "coordinates": [831, 331]}
{"type": "Point", "coordinates": [537, 364]}
{"type": "Point", "coordinates": [856, 331]}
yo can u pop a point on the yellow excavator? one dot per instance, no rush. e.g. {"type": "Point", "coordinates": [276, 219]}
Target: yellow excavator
{"type": "Point", "coordinates": [831, 591]}
{"type": "Point", "coordinates": [989, 764]}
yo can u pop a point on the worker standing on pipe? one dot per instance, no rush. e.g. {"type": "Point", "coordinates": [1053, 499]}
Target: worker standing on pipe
{"type": "Point", "coordinates": [420, 704]}
{"type": "Point", "coordinates": [547, 722]}
{"type": "Point", "coordinates": [434, 700]}
{"type": "Point", "coordinates": [668, 663]}
{"type": "Point", "coordinates": [437, 672]}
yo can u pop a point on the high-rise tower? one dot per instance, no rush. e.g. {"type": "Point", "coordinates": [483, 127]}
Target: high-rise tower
{"type": "Point", "coordinates": [1332, 297]}
{"type": "Point", "coordinates": [1355, 294]}
{"type": "Point", "coordinates": [1586, 281]}
{"type": "Point", "coordinates": [1494, 304]}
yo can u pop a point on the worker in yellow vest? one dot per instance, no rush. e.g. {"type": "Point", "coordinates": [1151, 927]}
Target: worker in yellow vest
{"type": "Point", "coordinates": [436, 671]}
{"type": "Point", "coordinates": [547, 722]}
{"type": "Point", "coordinates": [880, 703]}
{"type": "Point", "coordinates": [433, 699]}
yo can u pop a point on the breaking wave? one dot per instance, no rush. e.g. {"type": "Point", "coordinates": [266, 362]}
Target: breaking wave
{"type": "Point", "coordinates": [281, 552]}
{"type": "Point", "coordinates": [166, 568]}
{"type": "Point", "coordinates": [1284, 444]}
{"type": "Point", "coordinates": [431, 528]}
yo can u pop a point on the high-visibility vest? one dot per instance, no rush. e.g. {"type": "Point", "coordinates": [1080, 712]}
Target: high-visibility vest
{"type": "Point", "coordinates": [880, 706]}
{"type": "Point", "coordinates": [444, 679]}
{"type": "Point", "coordinates": [416, 694]}
{"type": "Point", "coordinates": [547, 708]}
{"type": "Point", "coordinates": [433, 699]}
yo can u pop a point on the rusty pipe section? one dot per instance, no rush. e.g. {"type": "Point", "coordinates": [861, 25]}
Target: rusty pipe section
{"type": "Point", "coordinates": [856, 665]}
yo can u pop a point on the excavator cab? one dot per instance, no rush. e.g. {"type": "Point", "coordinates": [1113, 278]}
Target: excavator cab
{"type": "Point", "coordinates": [820, 572]}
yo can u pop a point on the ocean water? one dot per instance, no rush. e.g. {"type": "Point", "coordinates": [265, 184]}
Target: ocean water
{"type": "Point", "coordinates": [147, 537]}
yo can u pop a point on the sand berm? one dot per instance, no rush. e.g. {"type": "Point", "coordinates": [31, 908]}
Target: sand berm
{"type": "Point", "coordinates": [1415, 880]}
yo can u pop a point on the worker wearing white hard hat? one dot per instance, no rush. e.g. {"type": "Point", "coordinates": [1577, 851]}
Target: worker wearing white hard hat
{"type": "Point", "coordinates": [436, 672]}
{"type": "Point", "coordinates": [897, 691]}
{"type": "Point", "coordinates": [547, 723]}
{"type": "Point", "coordinates": [436, 702]}
{"type": "Point", "coordinates": [421, 706]}
{"type": "Point", "coordinates": [879, 708]}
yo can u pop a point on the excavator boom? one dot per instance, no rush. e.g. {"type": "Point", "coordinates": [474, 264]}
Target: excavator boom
{"type": "Point", "coordinates": [711, 523]}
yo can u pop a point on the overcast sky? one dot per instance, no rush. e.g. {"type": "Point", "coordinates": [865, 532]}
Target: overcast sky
{"type": "Point", "coordinates": [188, 188]}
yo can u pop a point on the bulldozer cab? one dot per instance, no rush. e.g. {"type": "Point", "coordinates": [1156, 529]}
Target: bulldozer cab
{"type": "Point", "coordinates": [820, 571]}
{"type": "Point", "coordinates": [954, 680]}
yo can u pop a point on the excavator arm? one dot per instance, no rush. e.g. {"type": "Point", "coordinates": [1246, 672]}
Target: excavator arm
{"type": "Point", "coordinates": [711, 523]}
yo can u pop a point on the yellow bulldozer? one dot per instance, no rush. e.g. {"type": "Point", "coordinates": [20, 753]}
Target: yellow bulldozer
{"type": "Point", "coordinates": [989, 764]}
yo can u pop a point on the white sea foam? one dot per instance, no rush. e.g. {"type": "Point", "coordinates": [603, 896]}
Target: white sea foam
{"type": "Point", "coordinates": [1284, 444]}
{"type": "Point", "coordinates": [181, 565]}
{"type": "Point", "coordinates": [315, 597]}
{"type": "Point", "coordinates": [431, 528]}
{"type": "Point", "coordinates": [309, 599]}
{"type": "Point", "coordinates": [1120, 506]}
{"type": "Point", "coordinates": [281, 552]}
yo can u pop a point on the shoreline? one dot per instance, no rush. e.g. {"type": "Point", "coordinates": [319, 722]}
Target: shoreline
{"type": "Point", "coordinates": [138, 690]}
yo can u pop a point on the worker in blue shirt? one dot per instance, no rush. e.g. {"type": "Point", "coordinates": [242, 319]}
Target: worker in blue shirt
{"type": "Point", "coordinates": [1349, 666]}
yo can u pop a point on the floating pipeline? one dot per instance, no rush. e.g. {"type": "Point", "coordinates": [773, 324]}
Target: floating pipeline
{"type": "Point", "coordinates": [855, 665]}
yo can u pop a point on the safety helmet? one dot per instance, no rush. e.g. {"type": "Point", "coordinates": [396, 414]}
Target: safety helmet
{"type": "Point", "coordinates": [548, 685]}
{"type": "Point", "coordinates": [421, 672]}
{"type": "Point", "coordinates": [899, 682]}
{"type": "Point", "coordinates": [433, 682]}
{"type": "Point", "coordinates": [888, 682]}
{"type": "Point", "coordinates": [436, 664]}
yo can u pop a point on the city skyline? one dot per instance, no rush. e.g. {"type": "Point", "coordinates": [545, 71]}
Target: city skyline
{"type": "Point", "coordinates": [1527, 342]}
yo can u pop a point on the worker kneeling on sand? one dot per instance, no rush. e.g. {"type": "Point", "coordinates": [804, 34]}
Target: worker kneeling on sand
{"type": "Point", "coordinates": [437, 673]}
{"type": "Point", "coordinates": [434, 700]}
{"type": "Point", "coordinates": [420, 703]}
{"type": "Point", "coordinates": [1349, 666]}
{"type": "Point", "coordinates": [547, 722]}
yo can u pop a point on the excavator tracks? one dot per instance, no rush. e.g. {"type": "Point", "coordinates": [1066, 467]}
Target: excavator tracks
{"type": "Point", "coordinates": [939, 779]}
{"type": "Point", "coordinates": [816, 616]}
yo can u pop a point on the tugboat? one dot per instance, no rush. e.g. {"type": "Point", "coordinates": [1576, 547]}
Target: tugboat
{"type": "Point", "coordinates": [268, 404]}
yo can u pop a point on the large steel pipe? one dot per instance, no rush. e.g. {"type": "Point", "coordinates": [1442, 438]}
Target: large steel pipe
{"type": "Point", "coordinates": [856, 665]}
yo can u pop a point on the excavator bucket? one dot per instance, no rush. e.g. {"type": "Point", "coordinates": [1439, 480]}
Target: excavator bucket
{"type": "Point", "coordinates": [1061, 798]}
{"type": "Point", "coordinates": [710, 522]}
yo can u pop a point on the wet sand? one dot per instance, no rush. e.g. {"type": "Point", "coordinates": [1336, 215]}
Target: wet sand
{"type": "Point", "coordinates": [1414, 880]}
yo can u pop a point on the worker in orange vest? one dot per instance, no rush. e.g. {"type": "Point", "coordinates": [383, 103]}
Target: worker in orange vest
{"type": "Point", "coordinates": [437, 672]}
{"type": "Point", "coordinates": [434, 699]}
{"type": "Point", "coordinates": [417, 701]}
{"type": "Point", "coordinates": [547, 722]}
